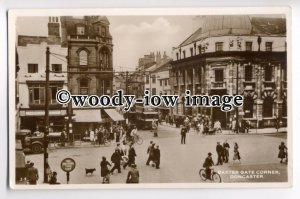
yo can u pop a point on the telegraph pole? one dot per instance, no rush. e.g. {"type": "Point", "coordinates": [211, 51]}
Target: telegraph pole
{"type": "Point", "coordinates": [46, 164]}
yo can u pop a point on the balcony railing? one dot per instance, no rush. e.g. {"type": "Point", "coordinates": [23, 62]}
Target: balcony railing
{"type": "Point", "coordinates": [83, 37]}
{"type": "Point", "coordinates": [218, 85]}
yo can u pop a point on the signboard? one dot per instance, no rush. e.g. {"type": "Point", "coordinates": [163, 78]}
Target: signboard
{"type": "Point", "coordinates": [68, 165]}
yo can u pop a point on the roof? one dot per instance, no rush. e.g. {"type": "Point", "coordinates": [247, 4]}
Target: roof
{"type": "Point", "coordinates": [159, 66]}
{"type": "Point", "coordinates": [237, 25]}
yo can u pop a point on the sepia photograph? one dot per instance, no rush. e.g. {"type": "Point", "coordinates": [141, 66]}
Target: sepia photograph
{"type": "Point", "coordinates": [69, 74]}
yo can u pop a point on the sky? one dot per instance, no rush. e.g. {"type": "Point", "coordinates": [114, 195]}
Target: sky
{"type": "Point", "coordinates": [133, 36]}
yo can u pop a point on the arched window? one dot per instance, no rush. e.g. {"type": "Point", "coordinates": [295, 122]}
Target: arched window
{"type": "Point", "coordinates": [248, 107]}
{"type": "Point", "coordinates": [83, 58]}
{"type": "Point", "coordinates": [268, 107]}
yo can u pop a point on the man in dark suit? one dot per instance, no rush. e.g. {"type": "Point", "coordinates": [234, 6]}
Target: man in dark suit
{"type": "Point", "coordinates": [131, 157]}
{"type": "Point", "coordinates": [183, 134]}
{"type": "Point", "coordinates": [219, 150]}
{"type": "Point", "coordinates": [157, 157]}
{"type": "Point", "coordinates": [116, 159]}
{"type": "Point", "coordinates": [226, 147]}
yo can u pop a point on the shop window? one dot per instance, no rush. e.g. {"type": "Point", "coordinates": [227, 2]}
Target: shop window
{"type": "Point", "coordinates": [248, 46]}
{"type": "Point", "coordinates": [248, 107]}
{"type": "Point", "coordinates": [248, 73]}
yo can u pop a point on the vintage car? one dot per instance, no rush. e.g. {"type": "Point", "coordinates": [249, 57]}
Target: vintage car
{"type": "Point", "coordinates": [33, 142]}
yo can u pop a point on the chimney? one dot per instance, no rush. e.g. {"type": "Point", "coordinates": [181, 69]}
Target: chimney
{"type": "Point", "coordinates": [158, 58]}
{"type": "Point", "coordinates": [53, 27]}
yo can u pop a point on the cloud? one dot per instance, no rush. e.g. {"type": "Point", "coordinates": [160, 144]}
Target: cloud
{"type": "Point", "coordinates": [158, 26]}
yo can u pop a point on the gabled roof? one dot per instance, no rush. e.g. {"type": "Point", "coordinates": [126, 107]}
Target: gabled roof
{"type": "Point", "coordinates": [161, 65]}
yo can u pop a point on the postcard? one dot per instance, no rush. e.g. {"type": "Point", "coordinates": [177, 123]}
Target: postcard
{"type": "Point", "coordinates": [150, 98]}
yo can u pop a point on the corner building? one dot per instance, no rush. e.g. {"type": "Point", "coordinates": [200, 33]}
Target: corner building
{"type": "Point", "coordinates": [90, 67]}
{"type": "Point", "coordinates": [230, 55]}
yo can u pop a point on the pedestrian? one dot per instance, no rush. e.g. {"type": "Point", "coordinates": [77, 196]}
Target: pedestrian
{"type": "Point", "coordinates": [154, 127]}
{"type": "Point", "coordinates": [32, 174]}
{"type": "Point", "coordinates": [219, 150]}
{"type": "Point", "coordinates": [63, 138]}
{"type": "Point", "coordinates": [236, 153]}
{"type": "Point", "coordinates": [183, 134]}
{"type": "Point", "coordinates": [116, 159]}
{"type": "Point", "coordinates": [131, 157]}
{"type": "Point", "coordinates": [104, 169]}
{"type": "Point", "coordinates": [156, 156]}
{"type": "Point", "coordinates": [226, 147]}
{"type": "Point", "coordinates": [53, 179]}
{"type": "Point", "coordinates": [133, 175]}
{"type": "Point", "coordinates": [92, 136]}
{"type": "Point", "coordinates": [282, 152]}
{"type": "Point", "coordinates": [118, 134]}
{"type": "Point", "coordinates": [150, 152]}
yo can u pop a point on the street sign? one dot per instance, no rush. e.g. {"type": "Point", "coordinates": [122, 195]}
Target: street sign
{"type": "Point", "coordinates": [68, 164]}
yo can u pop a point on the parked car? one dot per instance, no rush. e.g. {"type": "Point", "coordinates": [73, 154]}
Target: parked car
{"type": "Point", "coordinates": [34, 143]}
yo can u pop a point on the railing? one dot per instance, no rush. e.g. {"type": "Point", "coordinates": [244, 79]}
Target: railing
{"type": "Point", "coordinates": [84, 37]}
{"type": "Point", "coordinates": [218, 85]}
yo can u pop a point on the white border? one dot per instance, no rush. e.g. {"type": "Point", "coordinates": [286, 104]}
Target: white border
{"type": "Point", "coordinates": [13, 14]}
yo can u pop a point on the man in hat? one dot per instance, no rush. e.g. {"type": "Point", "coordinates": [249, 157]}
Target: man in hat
{"type": "Point", "coordinates": [156, 156]}
{"type": "Point", "coordinates": [150, 151]}
{"type": "Point", "coordinates": [131, 157]}
{"type": "Point", "coordinates": [219, 150]}
{"type": "Point", "coordinates": [183, 134]}
{"type": "Point", "coordinates": [207, 164]}
{"type": "Point", "coordinates": [116, 159]}
{"type": "Point", "coordinates": [133, 175]}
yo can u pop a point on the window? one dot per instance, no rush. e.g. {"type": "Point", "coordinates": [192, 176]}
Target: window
{"type": "Point", "coordinates": [166, 82]}
{"type": "Point", "coordinates": [83, 58]}
{"type": "Point", "coordinates": [268, 107]}
{"type": "Point", "coordinates": [153, 91]}
{"type": "Point", "coordinates": [33, 68]}
{"type": "Point", "coordinates": [269, 46]}
{"type": "Point", "coordinates": [268, 73]}
{"type": "Point", "coordinates": [147, 79]}
{"type": "Point", "coordinates": [103, 31]}
{"type": "Point", "coordinates": [104, 56]}
{"type": "Point", "coordinates": [248, 73]}
{"type": "Point", "coordinates": [183, 54]}
{"type": "Point", "coordinates": [37, 94]}
{"type": "Point", "coordinates": [219, 46]}
{"type": "Point", "coordinates": [248, 107]}
{"type": "Point", "coordinates": [153, 79]}
{"type": "Point", "coordinates": [84, 88]}
{"type": "Point", "coordinates": [80, 30]}
{"type": "Point", "coordinates": [219, 76]}
{"type": "Point", "coordinates": [177, 56]}
{"type": "Point", "coordinates": [192, 52]}
{"type": "Point", "coordinates": [200, 49]}
{"type": "Point", "coordinates": [248, 46]}
{"type": "Point", "coordinates": [160, 82]}
{"type": "Point", "coordinates": [57, 68]}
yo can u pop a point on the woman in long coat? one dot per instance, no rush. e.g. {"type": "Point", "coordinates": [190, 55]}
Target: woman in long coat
{"type": "Point", "coordinates": [282, 151]}
{"type": "Point", "coordinates": [104, 167]}
{"type": "Point", "coordinates": [236, 152]}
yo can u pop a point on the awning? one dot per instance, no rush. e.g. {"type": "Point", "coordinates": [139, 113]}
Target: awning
{"type": "Point", "coordinates": [114, 115]}
{"type": "Point", "coordinates": [87, 115]}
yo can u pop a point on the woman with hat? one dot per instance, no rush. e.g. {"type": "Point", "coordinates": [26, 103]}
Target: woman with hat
{"type": "Point", "coordinates": [282, 152]}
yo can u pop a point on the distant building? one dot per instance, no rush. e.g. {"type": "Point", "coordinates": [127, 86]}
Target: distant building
{"type": "Point", "coordinates": [32, 78]}
{"type": "Point", "coordinates": [229, 55]}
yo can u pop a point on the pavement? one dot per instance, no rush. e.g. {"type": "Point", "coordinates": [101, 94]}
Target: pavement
{"type": "Point", "coordinates": [179, 163]}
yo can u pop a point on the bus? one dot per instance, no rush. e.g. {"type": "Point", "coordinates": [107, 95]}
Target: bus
{"type": "Point", "coordinates": [145, 116]}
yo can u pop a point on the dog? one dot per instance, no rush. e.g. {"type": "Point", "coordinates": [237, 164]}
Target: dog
{"type": "Point", "coordinates": [91, 171]}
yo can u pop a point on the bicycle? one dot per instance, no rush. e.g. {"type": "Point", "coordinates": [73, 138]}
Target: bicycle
{"type": "Point", "coordinates": [135, 139]}
{"type": "Point", "coordinates": [214, 176]}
